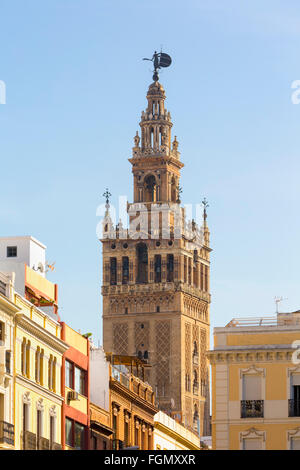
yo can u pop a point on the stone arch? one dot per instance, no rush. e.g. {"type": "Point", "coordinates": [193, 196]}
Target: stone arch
{"type": "Point", "coordinates": [150, 188]}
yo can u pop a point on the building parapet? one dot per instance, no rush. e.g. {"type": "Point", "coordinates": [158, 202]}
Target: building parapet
{"type": "Point", "coordinates": [281, 319]}
{"type": "Point", "coordinates": [178, 430]}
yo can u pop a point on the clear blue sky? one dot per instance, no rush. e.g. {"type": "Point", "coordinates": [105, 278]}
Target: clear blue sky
{"type": "Point", "coordinates": [76, 86]}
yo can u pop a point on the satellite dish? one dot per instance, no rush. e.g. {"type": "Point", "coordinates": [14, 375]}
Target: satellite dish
{"type": "Point", "coordinates": [164, 60]}
{"type": "Point", "coordinates": [41, 267]}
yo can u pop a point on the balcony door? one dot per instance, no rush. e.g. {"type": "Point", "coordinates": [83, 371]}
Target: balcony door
{"type": "Point", "coordinates": [295, 395]}
{"type": "Point", "coordinates": [252, 403]}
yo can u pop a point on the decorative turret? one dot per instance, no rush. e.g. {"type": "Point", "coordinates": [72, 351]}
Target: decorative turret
{"type": "Point", "coordinates": [156, 159]}
{"type": "Point", "coordinates": [155, 126]}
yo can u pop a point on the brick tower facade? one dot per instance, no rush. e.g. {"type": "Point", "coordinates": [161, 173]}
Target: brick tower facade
{"type": "Point", "coordinates": [156, 275]}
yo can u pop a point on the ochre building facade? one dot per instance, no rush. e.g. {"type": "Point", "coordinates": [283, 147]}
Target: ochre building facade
{"type": "Point", "coordinates": [256, 384]}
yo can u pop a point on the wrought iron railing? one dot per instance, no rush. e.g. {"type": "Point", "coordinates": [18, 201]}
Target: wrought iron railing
{"type": "Point", "coordinates": [294, 408]}
{"type": "Point", "coordinates": [7, 433]}
{"type": "Point", "coordinates": [120, 377]}
{"type": "Point", "coordinates": [252, 409]}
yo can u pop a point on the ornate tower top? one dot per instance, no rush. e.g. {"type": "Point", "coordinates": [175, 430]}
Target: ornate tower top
{"type": "Point", "coordinates": [156, 160]}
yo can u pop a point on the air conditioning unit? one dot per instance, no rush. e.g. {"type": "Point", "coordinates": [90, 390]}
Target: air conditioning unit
{"type": "Point", "coordinates": [73, 396]}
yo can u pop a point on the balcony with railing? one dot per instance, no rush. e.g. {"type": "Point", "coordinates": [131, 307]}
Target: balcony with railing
{"type": "Point", "coordinates": [252, 409]}
{"type": "Point", "coordinates": [43, 443]}
{"type": "Point", "coordinates": [120, 377]}
{"type": "Point", "coordinates": [294, 408]}
{"type": "Point", "coordinates": [28, 440]}
{"type": "Point", "coordinates": [55, 446]}
{"type": "Point", "coordinates": [133, 383]}
{"type": "Point", "coordinates": [7, 433]}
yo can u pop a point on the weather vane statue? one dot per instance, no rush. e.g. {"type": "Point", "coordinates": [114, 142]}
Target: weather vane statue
{"type": "Point", "coordinates": [107, 195]}
{"type": "Point", "coordinates": [159, 60]}
{"type": "Point", "coordinates": [205, 205]}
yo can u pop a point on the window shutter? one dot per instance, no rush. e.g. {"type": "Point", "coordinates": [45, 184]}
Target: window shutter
{"type": "Point", "coordinates": [295, 444]}
{"type": "Point", "coordinates": [252, 387]}
{"type": "Point", "coordinates": [252, 444]}
{"type": "Point", "coordinates": [296, 379]}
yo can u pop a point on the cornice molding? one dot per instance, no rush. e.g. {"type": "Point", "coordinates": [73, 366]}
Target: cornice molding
{"type": "Point", "coordinates": [34, 387]}
{"type": "Point", "coordinates": [7, 306]}
{"type": "Point", "coordinates": [242, 356]}
{"type": "Point", "coordinates": [41, 333]}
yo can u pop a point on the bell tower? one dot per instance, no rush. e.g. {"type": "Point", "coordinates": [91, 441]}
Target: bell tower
{"type": "Point", "coordinates": [155, 161]}
{"type": "Point", "coordinates": [156, 292]}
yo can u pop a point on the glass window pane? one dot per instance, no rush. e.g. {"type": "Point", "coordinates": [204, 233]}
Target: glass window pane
{"type": "Point", "coordinates": [69, 374]}
{"type": "Point", "coordinates": [79, 436]}
{"type": "Point", "coordinates": [80, 381]}
{"type": "Point", "coordinates": [69, 439]}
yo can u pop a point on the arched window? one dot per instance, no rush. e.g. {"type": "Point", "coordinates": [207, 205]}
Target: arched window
{"type": "Point", "coordinates": [150, 188]}
{"type": "Point", "coordinates": [28, 347]}
{"type": "Point", "coordinates": [187, 383]}
{"type": "Point", "coordinates": [157, 268]}
{"type": "Point", "coordinates": [195, 354]}
{"type": "Point", "coordinates": [50, 376]}
{"type": "Point", "coordinates": [195, 383]}
{"type": "Point", "coordinates": [23, 357]}
{"type": "Point", "coordinates": [173, 190]}
{"type": "Point", "coordinates": [195, 269]}
{"type": "Point", "coordinates": [37, 364]}
{"type": "Point", "coordinates": [113, 271]}
{"type": "Point", "coordinates": [142, 263]}
{"type": "Point", "coordinates": [125, 270]}
{"type": "Point", "coordinates": [170, 268]}
{"type": "Point", "coordinates": [196, 422]}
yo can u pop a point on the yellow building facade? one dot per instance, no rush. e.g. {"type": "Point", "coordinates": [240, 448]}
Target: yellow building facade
{"type": "Point", "coordinates": [7, 314]}
{"type": "Point", "coordinates": [256, 384]}
{"type": "Point", "coordinates": [37, 371]}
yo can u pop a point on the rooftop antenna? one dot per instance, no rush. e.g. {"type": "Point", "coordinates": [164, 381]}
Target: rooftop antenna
{"type": "Point", "coordinates": [50, 267]}
{"type": "Point", "coordinates": [159, 59]}
{"type": "Point", "coordinates": [277, 301]}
